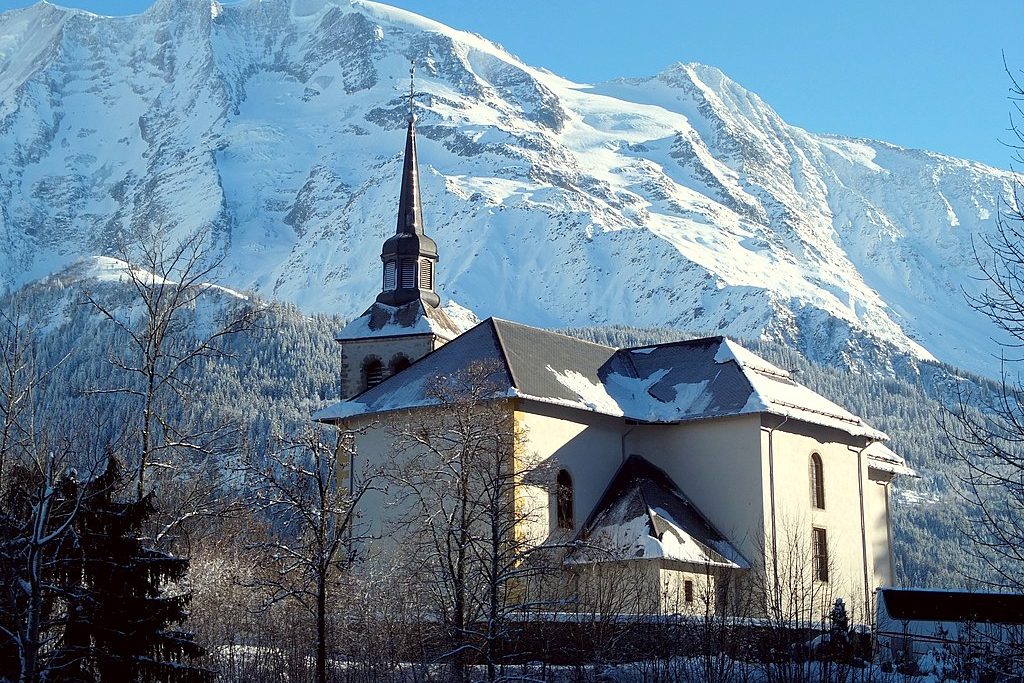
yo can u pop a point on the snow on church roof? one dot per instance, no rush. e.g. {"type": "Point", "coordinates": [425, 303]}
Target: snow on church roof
{"type": "Point", "coordinates": [881, 457]}
{"type": "Point", "coordinates": [382, 320]}
{"type": "Point", "coordinates": [665, 383]}
{"type": "Point", "coordinates": [644, 515]}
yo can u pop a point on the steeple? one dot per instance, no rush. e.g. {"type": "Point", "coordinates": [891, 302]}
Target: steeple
{"type": "Point", "coordinates": [409, 255]}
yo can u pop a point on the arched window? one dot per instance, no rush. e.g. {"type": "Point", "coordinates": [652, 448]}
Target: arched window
{"type": "Point", "coordinates": [407, 274]}
{"type": "Point", "coordinates": [398, 363]}
{"type": "Point", "coordinates": [564, 497]}
{"type": "Point", "coordinates": [373, 372]}
{"type": "Point", "coordinates": [817, 482]}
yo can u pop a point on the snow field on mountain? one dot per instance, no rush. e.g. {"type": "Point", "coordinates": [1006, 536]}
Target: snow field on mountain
{"type": "Point", "coordinates": [681, 199]}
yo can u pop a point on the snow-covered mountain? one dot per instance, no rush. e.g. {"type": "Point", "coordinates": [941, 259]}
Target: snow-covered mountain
{"type": "Point", "coordinates": [681, 199]}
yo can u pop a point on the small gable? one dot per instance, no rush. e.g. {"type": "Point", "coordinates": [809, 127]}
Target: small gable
{"type": "Point", "coordinates": [644, 515]}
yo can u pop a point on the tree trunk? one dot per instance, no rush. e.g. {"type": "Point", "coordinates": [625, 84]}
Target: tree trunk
{"type": "Point", "coordinates": [147, 420]}
{"type": "Point", "coordinates": [494, 605]}
{"type": "Point", "coordinates": [33, 620]}
{"type": "Point", "coordinates": [32, 626]}
{"type": "Point", "coordinates": [321, 625]}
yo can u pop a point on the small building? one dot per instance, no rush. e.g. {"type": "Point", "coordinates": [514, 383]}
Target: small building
{"type": "Point", "coordinates": [913, 622]}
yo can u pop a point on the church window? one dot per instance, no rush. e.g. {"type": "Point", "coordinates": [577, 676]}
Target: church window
{"type": "Point", "coordinates": [407, 274]}
{"type": "Point", "coordinates": [398, 363]}
{"type": "Point", "coordinates": [688, 591]}
{"type": "Point", "coordinates": [817, 482]}
{"type": "Point", "coordinates": [373, 373]}
{"type": "Point", "coordinates": [390, 275]}
{"type": "Point", "coordinates": [426, 274]}
{"type": "Point", "coordinates": [819, 543]}
{"type": "Point", "coordinates": [564, 497]}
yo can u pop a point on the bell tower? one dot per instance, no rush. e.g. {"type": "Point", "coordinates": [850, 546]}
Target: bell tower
{"type": "Point", "coordinates": [409, 256]}
{"type": "Point", "coordinates": [405, 323]}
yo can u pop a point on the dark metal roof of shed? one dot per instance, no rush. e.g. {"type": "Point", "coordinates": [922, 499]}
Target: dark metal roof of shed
{"type": "Point", "coordinates": [954, 606]}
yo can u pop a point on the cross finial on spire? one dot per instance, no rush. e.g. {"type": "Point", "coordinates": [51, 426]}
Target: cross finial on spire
{"type": "Point", "coordinates": [412, 90]}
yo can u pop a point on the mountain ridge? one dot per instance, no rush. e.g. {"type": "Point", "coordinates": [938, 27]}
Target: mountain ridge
{"type": "Point", "coordinates": [681, 199]}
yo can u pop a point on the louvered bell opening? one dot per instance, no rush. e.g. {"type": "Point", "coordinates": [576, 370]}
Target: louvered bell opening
{"type": "Point", "coordinates": [426, 274]}
{"type": "Point", "coordinates": [373, 373]}
{"type": "Point", "coordinates": [390, 276]}
{"type": "Point", "coordinates": [407, 274]}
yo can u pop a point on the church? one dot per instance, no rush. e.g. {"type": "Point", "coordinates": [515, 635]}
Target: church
{"type": "Point", "coordinates": [694, 465]}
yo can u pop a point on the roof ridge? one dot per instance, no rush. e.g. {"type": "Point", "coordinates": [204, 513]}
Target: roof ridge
{"type": "Point", "coordinates": [717, 337]}
{"type": "Point", "coordinates": [501, 348]}
{"type": "Point", "coordinates": [553, 332]}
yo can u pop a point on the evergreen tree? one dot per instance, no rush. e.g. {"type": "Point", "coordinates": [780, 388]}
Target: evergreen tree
{"type": "Point", "coordinates": [121, 617]}
{"type": "Point", "coordinates": [839, 631]}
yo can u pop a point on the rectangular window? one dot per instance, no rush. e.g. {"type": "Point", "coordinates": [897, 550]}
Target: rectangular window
{"type": "Point", "coordinates": [407, 274]}
{"type": "Point", "coordinates": [390, 276]}
{"type": "Point", "coordinates": [426, 275]}
{"type": "Point", "coordinates": [819, 542]}
{"type": "Point", "coordinates": [688, 591]}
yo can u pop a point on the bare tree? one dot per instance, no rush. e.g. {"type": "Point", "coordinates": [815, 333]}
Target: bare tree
{"type": "Point", "coordinates": [985, 432]}
{"type": "Point", "coordinates": [75, 576]}
{"type": "Point", "coordinates": [800, 593]}
{"type": "Point", "coordinates": [168, 326]}
{"type": "Point", "coordinates": [40, 504]}
{"type": "Point", "coordinates": [312, 510]}
{"type": "Point", "coordinates": [37, 505]}
{"type": "Point", "coordinates": [723, 605]}
{"type": "Point", "coordinates": [15, 383]}
{"type": "Point", "coordinates": [474, 526]}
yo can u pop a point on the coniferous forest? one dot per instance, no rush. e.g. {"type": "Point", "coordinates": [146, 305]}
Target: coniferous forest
{"type": "Point", "coordinates": [163, 489]}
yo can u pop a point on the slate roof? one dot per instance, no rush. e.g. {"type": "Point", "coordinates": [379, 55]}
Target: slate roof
{"type": "Point", "coordinates": [954, 606]}
{"type": "Point", "coordinates": [644, 515]}
{"type": "Point", "coordinates": [665, 383]}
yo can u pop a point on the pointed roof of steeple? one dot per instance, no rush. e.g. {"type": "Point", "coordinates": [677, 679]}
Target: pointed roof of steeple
{"type": "Point", "coordinates": [409, 238]}
{"type": "Point", "coordinates": [410, 214]}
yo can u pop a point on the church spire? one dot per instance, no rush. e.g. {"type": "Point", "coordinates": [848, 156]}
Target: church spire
{"type": "Point", "coordinates": [409, 255]}
{"type": "Point", "coordinates": [410, 215]}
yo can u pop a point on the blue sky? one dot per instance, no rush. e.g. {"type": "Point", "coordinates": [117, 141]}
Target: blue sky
{"type": "Point", "coordinates": [914, 72]}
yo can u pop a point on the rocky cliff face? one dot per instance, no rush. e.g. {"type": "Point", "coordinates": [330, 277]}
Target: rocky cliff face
{"type": "Point", "coordinates": [680, 200]}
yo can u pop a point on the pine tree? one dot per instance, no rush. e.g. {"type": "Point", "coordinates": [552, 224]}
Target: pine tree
{"type": "Point", "coordinates": [839, 632]}
{"type": "Point", "coordinates": [120, 620]}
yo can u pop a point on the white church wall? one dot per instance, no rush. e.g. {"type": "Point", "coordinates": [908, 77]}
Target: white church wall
{"type": "Point", "coordinates": [698, 598]}
{"type": "Point", "coordinates": [876, 498]}
{"type": "Point", "coordinates": [588, 445]}
{"type": "Point", "coordinates": [717, 464]}
{"type": "Point", "coordinates": [374, 447]}
{"type": "Point", "coordinates": [618, 588]}
{"type": "Point", "coordinates": [721, 465]}
{"type": "Point", "coordinates": [797, 515]}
